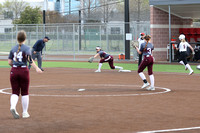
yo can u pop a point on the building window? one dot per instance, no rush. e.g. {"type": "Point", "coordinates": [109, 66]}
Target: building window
{"type": "Point", "coordinates": [115, 30]}
{"type": "Point", "coordinates": [7, 30]}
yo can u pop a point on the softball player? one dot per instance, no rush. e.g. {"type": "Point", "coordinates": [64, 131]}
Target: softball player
{"type": "Point", "coordinates": [146, 48]}
{"type": "Point", "coordinates": [105, 58]}
{"type": "Point", "coordinates": [140, 41]}
{"type": "Point", "coordinates": [19, 75]}
{"type": "Point", "coordinates": [182, 47]}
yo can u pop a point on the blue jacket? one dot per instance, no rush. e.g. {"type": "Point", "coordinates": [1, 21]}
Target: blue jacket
{"type": "Point", "coordinates": [39, 45]}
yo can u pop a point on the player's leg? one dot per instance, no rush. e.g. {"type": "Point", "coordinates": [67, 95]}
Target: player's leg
{"type": "Point", "coordinates": [39, 59]}
{"type": "Point", "coordinates": [184, 56]}
{"type": "Point", "coordinates": [150, 73]}
{"type": "Point", "coordinates": [100, 65]}
{"type": "Point", "coordinates": [141, 74]}
{"type": "Point", "coordinates": [15, 92]}
{"type": "Point", "coordinates": [140, 59]}
{"type": "Point", "coordinates": [24, 92]}
{"type": "Point", "coordinates": [111, 64]}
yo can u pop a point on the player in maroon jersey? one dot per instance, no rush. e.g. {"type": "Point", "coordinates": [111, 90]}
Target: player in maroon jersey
{"type": "Point", "coordinates": [105, 58]}
{"type": "Point", "coordinates": [146, 48]}
{"type": "Point", "coordinates": [19, 55]}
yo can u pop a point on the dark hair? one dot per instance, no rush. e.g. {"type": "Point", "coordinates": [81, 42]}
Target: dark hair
{"type": "Point", "coordinates": [21, 37]}
{"type": "Point", "coordinates": [147, 38]}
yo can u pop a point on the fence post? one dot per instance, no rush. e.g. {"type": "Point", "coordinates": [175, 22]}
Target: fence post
{"type": "Point", "coordinates": [100, 35]}
{"type": "Point", "coordinates": [16, 33]}
{"type": "Point", "coordinates": [73, 41]}
{"type": "Point", "coordinates": [107, 39]}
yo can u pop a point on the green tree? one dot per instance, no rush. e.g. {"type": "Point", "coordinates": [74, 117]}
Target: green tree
{"type": "Point", "coordinates": [30, 16]}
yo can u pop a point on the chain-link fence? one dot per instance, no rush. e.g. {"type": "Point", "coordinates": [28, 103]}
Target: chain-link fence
{"type": "Point", "coordinates": [72, 41]}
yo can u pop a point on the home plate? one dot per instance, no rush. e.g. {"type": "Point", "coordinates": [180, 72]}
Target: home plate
{"type": "Point", "coordinates": [124, 70]}
{"type": "Point", "coordinates": [81, 89]}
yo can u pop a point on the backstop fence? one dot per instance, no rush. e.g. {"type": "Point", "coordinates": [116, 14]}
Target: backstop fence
{"type": "Point", "coordinates": [72, 41]}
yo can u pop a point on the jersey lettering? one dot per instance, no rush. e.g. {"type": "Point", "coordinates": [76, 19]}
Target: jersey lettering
{"type": "Point", "coordinates": [19, 56]}
{"type": "Point", "coordinates": [149, 51]}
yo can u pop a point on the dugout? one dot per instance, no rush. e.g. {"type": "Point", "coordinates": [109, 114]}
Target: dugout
{"type": "Point", "coordinates": [169, 18]}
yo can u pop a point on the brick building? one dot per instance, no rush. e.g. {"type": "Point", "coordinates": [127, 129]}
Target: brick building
{"type": "Point", "coordinates": [166, 19]}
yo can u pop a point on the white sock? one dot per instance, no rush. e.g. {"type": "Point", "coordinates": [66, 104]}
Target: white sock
{"type": "Point", "coordinates": [151, 80]}
{"type": "Point", "coordinates": [118, 67]}
{"type": "Point", "coordinates": [25, 103]}
{"type": "Point", "coordinates": [13, 101]}
{"type": "Point", "coordinates": [181, 62]}
{"type": "Point", "coordinates": [142, 76]}
{"type": "Point", "coordinates": [188, 66]}
{"type": "Point", "coordinates": [100, 65]}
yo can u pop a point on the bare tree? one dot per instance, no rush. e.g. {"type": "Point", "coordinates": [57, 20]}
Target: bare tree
{"type": "Point", "coordinates": [15, 6]}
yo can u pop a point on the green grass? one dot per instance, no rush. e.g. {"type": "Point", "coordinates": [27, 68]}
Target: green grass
{"type": "Point", "coordinates": [157, 67]}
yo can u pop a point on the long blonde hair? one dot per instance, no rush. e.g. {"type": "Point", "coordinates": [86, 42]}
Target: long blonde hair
{"type": "Point", "coordinates": [21, 37]}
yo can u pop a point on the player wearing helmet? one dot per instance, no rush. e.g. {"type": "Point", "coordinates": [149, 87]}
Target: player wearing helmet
{"type": "Point", "coordinates": [182, 47]}
{"type": "Point", "coordinates": [105, 58]}
{"type": "Point", "coordinates": [140, 41]}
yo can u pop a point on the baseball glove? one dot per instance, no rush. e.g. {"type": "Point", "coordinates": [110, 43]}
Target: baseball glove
{"type": "Point", "coordinates": [135, 44]}
{"type": "Point", "coordinates": [91, 59]}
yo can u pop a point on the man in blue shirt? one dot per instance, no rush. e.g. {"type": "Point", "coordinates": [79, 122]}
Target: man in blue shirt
{"type": "Point", "coordinates": [37, 51]}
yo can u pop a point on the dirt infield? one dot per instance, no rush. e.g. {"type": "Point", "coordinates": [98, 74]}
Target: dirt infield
{"type": "Point", "coordinates": [111, 103]}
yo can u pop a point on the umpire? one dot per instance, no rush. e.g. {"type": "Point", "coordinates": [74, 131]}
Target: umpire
{"type": "Point", "coordinates": [37, 51]}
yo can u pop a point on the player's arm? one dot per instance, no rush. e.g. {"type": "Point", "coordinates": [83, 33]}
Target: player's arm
{"type": "Point", "coordinates": [139, 52]}
{"type": "Point", "coordinates": [191, 49]}
{"type": "Point", "coordinates": [96, 55]}
{"type": "Point", "coordinates": [32, 63]}
{"type": "Point", "coordinates": [10, 62]}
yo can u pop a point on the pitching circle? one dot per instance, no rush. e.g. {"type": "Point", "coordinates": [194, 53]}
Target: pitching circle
{"type": "Point", "coordinates": [165, 90]}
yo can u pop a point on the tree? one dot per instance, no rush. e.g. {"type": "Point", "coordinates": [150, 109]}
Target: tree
{"type": "Point", "coordinates": [15, 6]}
{"type": "Point", "coordinates": [30, 16]}
{"type": "Point", "coordinates": [1, 9]}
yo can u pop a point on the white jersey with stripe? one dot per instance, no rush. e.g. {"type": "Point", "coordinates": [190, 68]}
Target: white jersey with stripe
{"type": "Point", "coordinates": [183, 46]}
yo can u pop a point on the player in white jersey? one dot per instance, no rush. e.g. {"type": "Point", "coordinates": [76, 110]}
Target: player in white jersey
{"type": "Point", "coordinates": [140, 41]}
{"type": "Point", "coordinates": [183, 53]}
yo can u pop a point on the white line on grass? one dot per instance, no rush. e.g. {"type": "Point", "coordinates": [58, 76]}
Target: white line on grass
{"type": "Point", "coordinates": [170, 130]}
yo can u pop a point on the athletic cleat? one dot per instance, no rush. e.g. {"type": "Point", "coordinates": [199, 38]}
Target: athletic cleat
{"type": "Point", "coordinates": [191, 72]}
{"type": "Point", "coordinates": [97, 71]}
{"type": "Point", "coordinates": [150, 88]}
{"type": "Point", "coordinates": [145, 85]}
{"type": "Point", "coordinates": [14, 113]}
{"type": "Point", "coordinates": [25, 115]}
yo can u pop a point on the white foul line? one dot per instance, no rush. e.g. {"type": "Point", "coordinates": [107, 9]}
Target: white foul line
{"type": "Point", "coordinates": [170, 130]}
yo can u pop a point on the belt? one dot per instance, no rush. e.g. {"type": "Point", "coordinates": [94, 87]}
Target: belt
{"type": "Point", "coordinates": [147, 55]}
{"type": "Point", "coordinates": [19, 66]}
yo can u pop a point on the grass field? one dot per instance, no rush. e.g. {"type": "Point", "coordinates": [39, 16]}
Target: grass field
{"type": "Point", "coordinates": [157, 67]}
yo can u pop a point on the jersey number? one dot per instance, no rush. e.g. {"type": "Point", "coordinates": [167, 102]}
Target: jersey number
{"type": "Point", "coordinates": [149, 51]}
{"type": "Point", "coordinates": [19, 56]}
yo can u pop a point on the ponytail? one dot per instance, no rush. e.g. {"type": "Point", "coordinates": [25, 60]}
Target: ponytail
{"type": "Point", "coordinates": [147, 38]}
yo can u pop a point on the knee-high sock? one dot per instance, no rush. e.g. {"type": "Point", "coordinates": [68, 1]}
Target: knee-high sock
{"type": "Point", "coordinates": [100, 65]}
{"type": "Point", "coordinates": [13, 101]}
{"type": "Point", "coordinates": [181, 62]}
{"type": "Point", "coordinates": [151, 80]}
{"type": "Point", "coordinates": [25, 103]}
{"type": "Point", "coordinates": [188, 66]}
{"type": "Point", "coordinates": [142, 76]}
